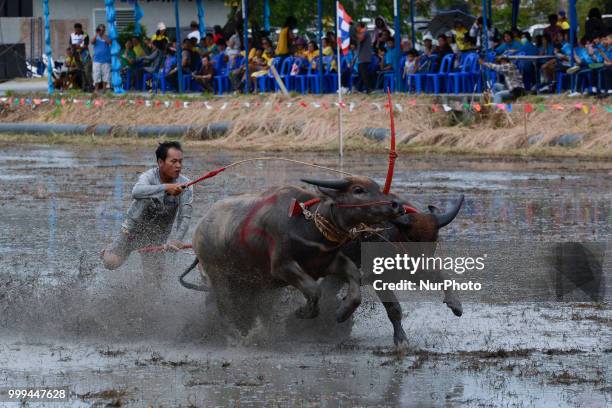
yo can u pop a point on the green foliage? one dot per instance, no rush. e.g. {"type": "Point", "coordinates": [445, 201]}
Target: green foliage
{"type": "Point", "coordinates": [128, 32]}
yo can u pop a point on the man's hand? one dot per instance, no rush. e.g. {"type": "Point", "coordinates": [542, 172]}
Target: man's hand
{"type": "Point", "coordinates": [175, 245]}
{"type": "Point", "coordinates": [175, 189]}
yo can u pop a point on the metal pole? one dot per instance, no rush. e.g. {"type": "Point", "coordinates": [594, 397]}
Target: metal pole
{"type": "Point", "coordinates": [573, 24]}
{"type": "Point", "coordinates": [245, 28]}
{"type": "Point", "coordinates": [490, 12]}
{"type": "Point", "coordinates": [398, 39]}
{"type": "Point", "coordinates": [201, 18]}
{"type": "Point", "coordinates": [179, 47]}
{"type": "Point", "coordinates": [115, 49]}
{"type": "Point", "coordinates": [267, 15]}
{"type": "Point", "coordinates": [339, 69]}
{"type": "Point", "coordinates": [320, 65]}
{"type": "Point", "coordinates": [412, 23]}
{"type": "Point", "coordinates": [485, 27]}
{"type": "Point", "coordinates": [515, 11]}
{"type": "Point", "coordinates": [48, 50]}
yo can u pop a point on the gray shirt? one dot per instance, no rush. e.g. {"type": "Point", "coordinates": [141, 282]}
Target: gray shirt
{"type": "Point", "coordinates": [153, 212]}
{"type": "Point", "coordinates": [364, 52]}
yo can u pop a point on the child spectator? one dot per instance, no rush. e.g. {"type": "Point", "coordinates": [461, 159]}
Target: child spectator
{"type": "Point", "coordinates": [509, 45]}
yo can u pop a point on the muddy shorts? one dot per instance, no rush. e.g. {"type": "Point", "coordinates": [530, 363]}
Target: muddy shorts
{"type": "Point", "coordinates": [123, 245]}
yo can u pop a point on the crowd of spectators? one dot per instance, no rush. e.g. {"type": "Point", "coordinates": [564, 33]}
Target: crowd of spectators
{"type": "Point", "coordinates": [372, 55]}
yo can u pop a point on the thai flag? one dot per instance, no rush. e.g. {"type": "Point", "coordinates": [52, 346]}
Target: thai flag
{"type": "Point", "coordinates": [344, 35]}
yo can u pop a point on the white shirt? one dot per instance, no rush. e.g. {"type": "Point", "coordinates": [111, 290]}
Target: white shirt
{"type": "Point", "coordinates": [194, 34]}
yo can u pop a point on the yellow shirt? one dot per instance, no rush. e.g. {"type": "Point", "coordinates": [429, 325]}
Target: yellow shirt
{"type": "Point", "coordinates": [564, 25]}
{"type": "Point", "coordinates": [282, 48]}
{"type": "Point", "coordinates": [160, 37]}
{"type": "Point", "coordinates": [328, 51]}
{"type": "Point", "coordinates": [312, 55]}
{"type": "Point", "coordinates": [139, 51]}
{"type": "Point", "coordinates": [460, 39]}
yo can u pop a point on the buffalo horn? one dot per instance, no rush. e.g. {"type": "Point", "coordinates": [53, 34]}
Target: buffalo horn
{"type": "Point", "coordinates": [333, 184]}
{"type": "Point", "coordinates": [444, 219]}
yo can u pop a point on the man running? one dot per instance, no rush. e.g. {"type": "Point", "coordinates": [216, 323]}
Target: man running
{"type": "Point", "coordinates": [161, 196]}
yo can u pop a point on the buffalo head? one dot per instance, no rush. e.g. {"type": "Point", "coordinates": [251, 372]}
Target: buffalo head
{"type": "Point", "coordinates": [423, 227]}
{"type": "Point", "coordinates": [358, 200]}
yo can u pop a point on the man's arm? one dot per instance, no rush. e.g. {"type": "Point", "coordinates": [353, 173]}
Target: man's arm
{"type": "Point", "coordinates": [147, 187]}
{"type": "Point", "coordinates": [184, 214]}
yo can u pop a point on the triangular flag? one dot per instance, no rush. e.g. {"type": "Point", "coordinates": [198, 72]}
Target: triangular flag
{"type": "Point", "coordinates": [578, 105]}
{"type": "Point", "coordinates": [608, 108]}
{"type": "Point", "coordinates": [351, 106]}
{"type": "Point", "coordinates": [446, 108]}
{"type": "Point", "coordinates": [501, 106]}
{"type": "Point", "coordinates": [509, 107]}
{"type": "Point", "coordinates": [399, 107]}
{"type": "Point", "coordinates": [412, 102]}
{"type": "Point", "coordinates": [528, 108]}
{"type": "Point", "coordinates": [477, 107]}
{"type": "Point", "coordinates": [585, 109]}
{"type": "Point", "coordinates": [224, 106]}
{"type": "Point", "coordinates": [542, 107]}
{"type": "Point", "coordinates": [435, 108]}
{"type": "Point", "coordinates": [303, 104]}
{"type": "Point", "coordinates": [556, 106]}
{"type": "Point", "coordinates": [466, 106]}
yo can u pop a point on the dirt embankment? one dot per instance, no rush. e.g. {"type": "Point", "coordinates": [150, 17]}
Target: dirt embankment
{"type": "Point", "coordinates": [311, 123]}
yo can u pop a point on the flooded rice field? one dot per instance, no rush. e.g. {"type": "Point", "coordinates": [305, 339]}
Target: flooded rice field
{"type": "Point", "coordinates": [114, 339]}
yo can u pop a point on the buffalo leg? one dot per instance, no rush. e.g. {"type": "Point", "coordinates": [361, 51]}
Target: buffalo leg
{"type": "Point", "coordinates": [293, 274]}
{"type": "Point", "coordinates": [450, 297]}
{"type": "Point", "coordinates": [394, 312]}
{"type": "Point", "coordinates": [344, 268]}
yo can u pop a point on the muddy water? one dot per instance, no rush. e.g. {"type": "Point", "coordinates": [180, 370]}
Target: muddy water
{"type": "Point", "coordinates": [112, 337]}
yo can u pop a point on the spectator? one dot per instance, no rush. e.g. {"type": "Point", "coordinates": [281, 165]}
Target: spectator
{"type": "Point", "coordinates": [364, 56]}
{"type": "Point", "coordinates": [300, 48]}
{"type": "Point", "coordinates": [411, 66]}
{"type": "Point", "coordinates": [285, 38]}
{"type": "Point", "coordinates": [195, 31]}
{"type": "Point", "coordinates": [151, 63]}
{"type": "Point", "coordinates": [405, 46]}
{"type": "Point", "coordinates": [328, 51]}
{"type": "Point", "coordinates": [443, 49]}
{"type": "Point", "coordinates": [594, 26]}
{"type": "Point", "coordinates": [204, 76]}
{"type": "Point", "coordinates": [79, 42]}
{"type": "Point", "coordinates": [539, 43]}
{"type": "Point", "coordinates": [606, 54]}
{"type": "Point", "coordinates": [101, 59]}
{"type": "Point", "coordinates": [550, 33]}
{"type": "Point", "coordinates": [137, 47]}
{"type": "Point", "coordinates": [160, 34]}
{"type": "Point", "coordinates": [128, 60]}
{"type": "Point", "coordinates": [563, 53]}
{"type": "Point", "coordinates": [387, 61]}
{"type": "Point", "coordinates": [312, 52]}
{"type": "Point", "coordinates": [70, 75]}
{"type": "Point", "coordinates": [509, 45]}
{"type": "Point", "coordinates": [563, 24]}
{"type": "Point", "coordinates": [210, 48]}
{"type": "Point", "coordinates": [512, 87]}
{"type": "Point", "coordinates": [527, 46]}
{"type": "Point", "coordinates": [427, 45]}
{"type": "Point", "coordinates": [185, 60]}
{"type": "Point", "coordinates": [461, 33]}
{"type": "Point", "coordinates": [477, 31]}
{"type": "Point", "coordinates": [217, 34]}
{"type": "Point", "coordinates": [234, 44]}
{"type": "Point", "coordinates": [380, 25]}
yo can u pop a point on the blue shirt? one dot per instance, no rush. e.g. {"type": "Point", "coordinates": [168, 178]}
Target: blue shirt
{"type": "Point", "coordinates": [101, 51]}
{"type": "Point", "coordinates": [505, 47]}
{"type": "Point", "coordinates": [528, 48]}
{"type": "Point", "coordinates": [584, 56]}
{"type": "Point", "coordinates": [390, 57]}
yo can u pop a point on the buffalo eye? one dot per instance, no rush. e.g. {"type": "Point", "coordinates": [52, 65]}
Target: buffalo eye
{"type": "Point", "coordinates": [358, 190]}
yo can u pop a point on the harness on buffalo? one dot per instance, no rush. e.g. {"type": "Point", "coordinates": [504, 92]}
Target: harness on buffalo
{"type": "Point", "coordinates": [332, 232]}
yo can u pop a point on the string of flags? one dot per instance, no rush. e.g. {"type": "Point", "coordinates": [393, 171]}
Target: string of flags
{"type": "Point", "coordinates": [278, 106]}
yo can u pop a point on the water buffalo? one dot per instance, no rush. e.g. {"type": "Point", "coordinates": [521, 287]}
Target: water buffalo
{"type": "Point", "coordinates": [248, 244]}
{"type": "Point", "coordinates": [411, 227]}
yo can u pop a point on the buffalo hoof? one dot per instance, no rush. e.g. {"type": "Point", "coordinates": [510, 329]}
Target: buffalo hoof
{"type": "Point", "coordinates": [399, 335]}
{"type": "Point", "coordinates": [454, 305]}
{"type": "Point", "coordinates": [346, 309]}
{"type": "Point", "coordinates": [308, 311]}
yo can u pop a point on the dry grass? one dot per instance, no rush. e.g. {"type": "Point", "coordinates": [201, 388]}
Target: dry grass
{"type": "Point", "coordinates": [275, 126]}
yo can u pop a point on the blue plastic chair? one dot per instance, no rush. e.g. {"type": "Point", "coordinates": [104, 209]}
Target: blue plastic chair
{"type": "Point", "coordinates": [460, 81]}
{"type": "Point", "coordinates": [439, 80]}
{"type": "Point", "coordinates": [221, 82]}
{"type": "Point", "coordinates": [299, 82]}
{"type": "Point", "coordinates": [582, 80]}
{"type": "Point", "coordinates": [313, 77]}
{"type": "Point", "coordinates": [419, 79]}
{"type": "Point", "coordinates": [264, 81]}
{"type": "Point", "coordinates": [600, 78]}
{"type": "Point", "coordinates": [389, 78]}
{"type": "Point", "coordinates": [284, 73]}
